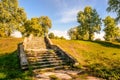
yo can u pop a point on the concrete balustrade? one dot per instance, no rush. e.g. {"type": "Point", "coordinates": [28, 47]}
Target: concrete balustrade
{"type": "Point", "coordinates": [59, 51]}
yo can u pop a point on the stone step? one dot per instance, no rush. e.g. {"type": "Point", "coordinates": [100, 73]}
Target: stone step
{"type": "Point", "coordinates": [46, 65]}
{"type": "Point", "coordinates": [46, 62]}
{"type": "Point", "coordinates": [24, 67]}
{"type": "Point", "coordinates": [36, 50]}
{"type": "Point", "coordinates": [51, 68]}
{"type": "Point", "coordinates": [40, 54]}
{"type": "Point", "coordinates": [45, 59]}
{"type": "Point", "coordinates": [40, 57]}
{"type": "Point", "coordinates": [46, 53]}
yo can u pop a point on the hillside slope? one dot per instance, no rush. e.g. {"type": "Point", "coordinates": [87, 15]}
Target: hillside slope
{"type": "Point", "coordinates": [101, 58]}
{"type": "Point", "coordinates": [9, 61]}
{"type": "Point", "coordinates": [8, 45]}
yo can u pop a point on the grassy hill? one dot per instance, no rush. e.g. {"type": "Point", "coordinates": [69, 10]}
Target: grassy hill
{"type": "Point", "coordinates": [9, 62]}
{"type": "Point", "coordinates": [8, 45]}
{"type": "Point", "coordinates": [98, 58]}
{"type": "Point", "coordinates": [101, 59]}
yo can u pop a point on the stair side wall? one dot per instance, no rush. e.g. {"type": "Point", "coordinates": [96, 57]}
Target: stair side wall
{"type": "Point", "coordinates": [22, 57]}
{"type": "Point", "coordinates": [71, 60]}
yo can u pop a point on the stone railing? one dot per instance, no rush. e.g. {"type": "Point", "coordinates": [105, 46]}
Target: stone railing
{"type": "Point", "coordinates": [22, 57]}
{"type": "Point", "coordinates": [60, 52]}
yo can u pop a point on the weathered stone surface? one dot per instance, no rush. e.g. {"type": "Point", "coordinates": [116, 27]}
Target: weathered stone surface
{"type": "Point", "coordinates": [93, 78]}
{"type": "Point", "coordinates": [34, 43]}
{"type": "Point", "coordinates": [59, 75]}
{"type": "Point", "coordinates": [62, 53]}
{"type": "Point", "coordinates": [22, 56]}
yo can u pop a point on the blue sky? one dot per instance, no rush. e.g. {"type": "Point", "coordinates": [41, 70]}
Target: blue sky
{"type": "Point", "coordinates": [62, 12]}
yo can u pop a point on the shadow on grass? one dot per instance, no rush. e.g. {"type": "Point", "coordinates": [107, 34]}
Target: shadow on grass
{"type": "Point", "coordinates": [10, 67]}
{"type": "Point", "coordinates": [107, 44]}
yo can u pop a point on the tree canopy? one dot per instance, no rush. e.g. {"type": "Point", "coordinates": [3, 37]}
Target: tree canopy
{"type": "Point", "coordinates": [45, 23]}
{"type": "Point", "coordinates": [12, 17]}
{"type": "Point", "coordinates": [73, 33]}
{"type": "Point", "coordinates": [51, 35]}
{"type": "Point", "coordinates": [33, 27]}
{"type": "Point", "coordinates": [90, 22]}
{"type": "Point", "coordinates": [112, 32]}
{"type": "Point", "coordinates": [37, 26]}
{"type": "Point", "coordinates": [114, 6]}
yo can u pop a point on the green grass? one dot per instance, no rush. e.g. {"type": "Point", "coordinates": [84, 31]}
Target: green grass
{"type": "Point", "coordinates": [54, 77]}
{"type": "Point", "coordinates": [101, 59]}
{"type": "Point", "coordinates": [9, 61]}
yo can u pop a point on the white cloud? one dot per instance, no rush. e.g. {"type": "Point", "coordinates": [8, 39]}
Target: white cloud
{"type": "Point", "coordinates": [60, 33]}
{"type": "Point", "coordinates": [119, 25]}
{"type": "Point", "coordinates": [16, 34]}
{"type": "Point", "coordinates": [68, 11]}
{"type": "Point", "coordinates": [69, 15]}
{"type": "Point", "coordinates": [100, 36]}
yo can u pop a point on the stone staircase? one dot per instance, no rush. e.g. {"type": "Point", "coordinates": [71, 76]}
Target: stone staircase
{"type": "Point", "coordinates": [34, 43]}
{"type": "Point", "coordinates": [46, 61]}
{"type": "Point", "coordinates": [39, 56]}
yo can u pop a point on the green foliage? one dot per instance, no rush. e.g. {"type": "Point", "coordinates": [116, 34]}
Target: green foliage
{"type": "Point", "coordinates": [112, 32]}
{"type": "Point", "coordinates": [45, 23]}
{"type": "Point", "coordinates": [57, 37]}
{"type": "Point", "coordinates": [73, 33]}
{"type": "Point", "coordinates": [114, 6]}
{"type": "Point", "coordinates": [89, 23]}
{"type": "Point", "coordinates": [12, 17]}
{"type": "Point", "coordinates": [53, 77]}
{"type": "Point", "coordinates": [33, 27]}
{"type": "Point", "coordinates": [62, 38]}
{"type": "Point", "coordinates": [37, 26]}
{"type": "Point", "coordinates": [51, 35]}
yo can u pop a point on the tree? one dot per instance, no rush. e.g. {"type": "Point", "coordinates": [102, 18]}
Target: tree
{"type": "Point", "coordinates": [12, 17]}
{"type": "Point", "coordinates": [114, 6]}
{"type": "Point", "coordinates": [62, 38]}
{"type": "Point", "coordinates": [51, 36]}
{"type": "Point", "coordinates": [34, 27]}
{"type": "Point", "coordinates": [112, 32]}
{"type": "Point", "coordinates": [89, 22]}
{"type": "Point", "coordinates": [73, 33]}
{"type": "Point", "coordinates": [45, 23]}
{"type": "Point", "coordinates": [37, 26]}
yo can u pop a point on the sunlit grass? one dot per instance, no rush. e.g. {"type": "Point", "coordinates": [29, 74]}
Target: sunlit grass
{"type": "Point", "coordinates": [9, 60]}
{"type": "Point", "coordinates": [8, 45]}
{"type": "Point", "coordinates": [101, 58]}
